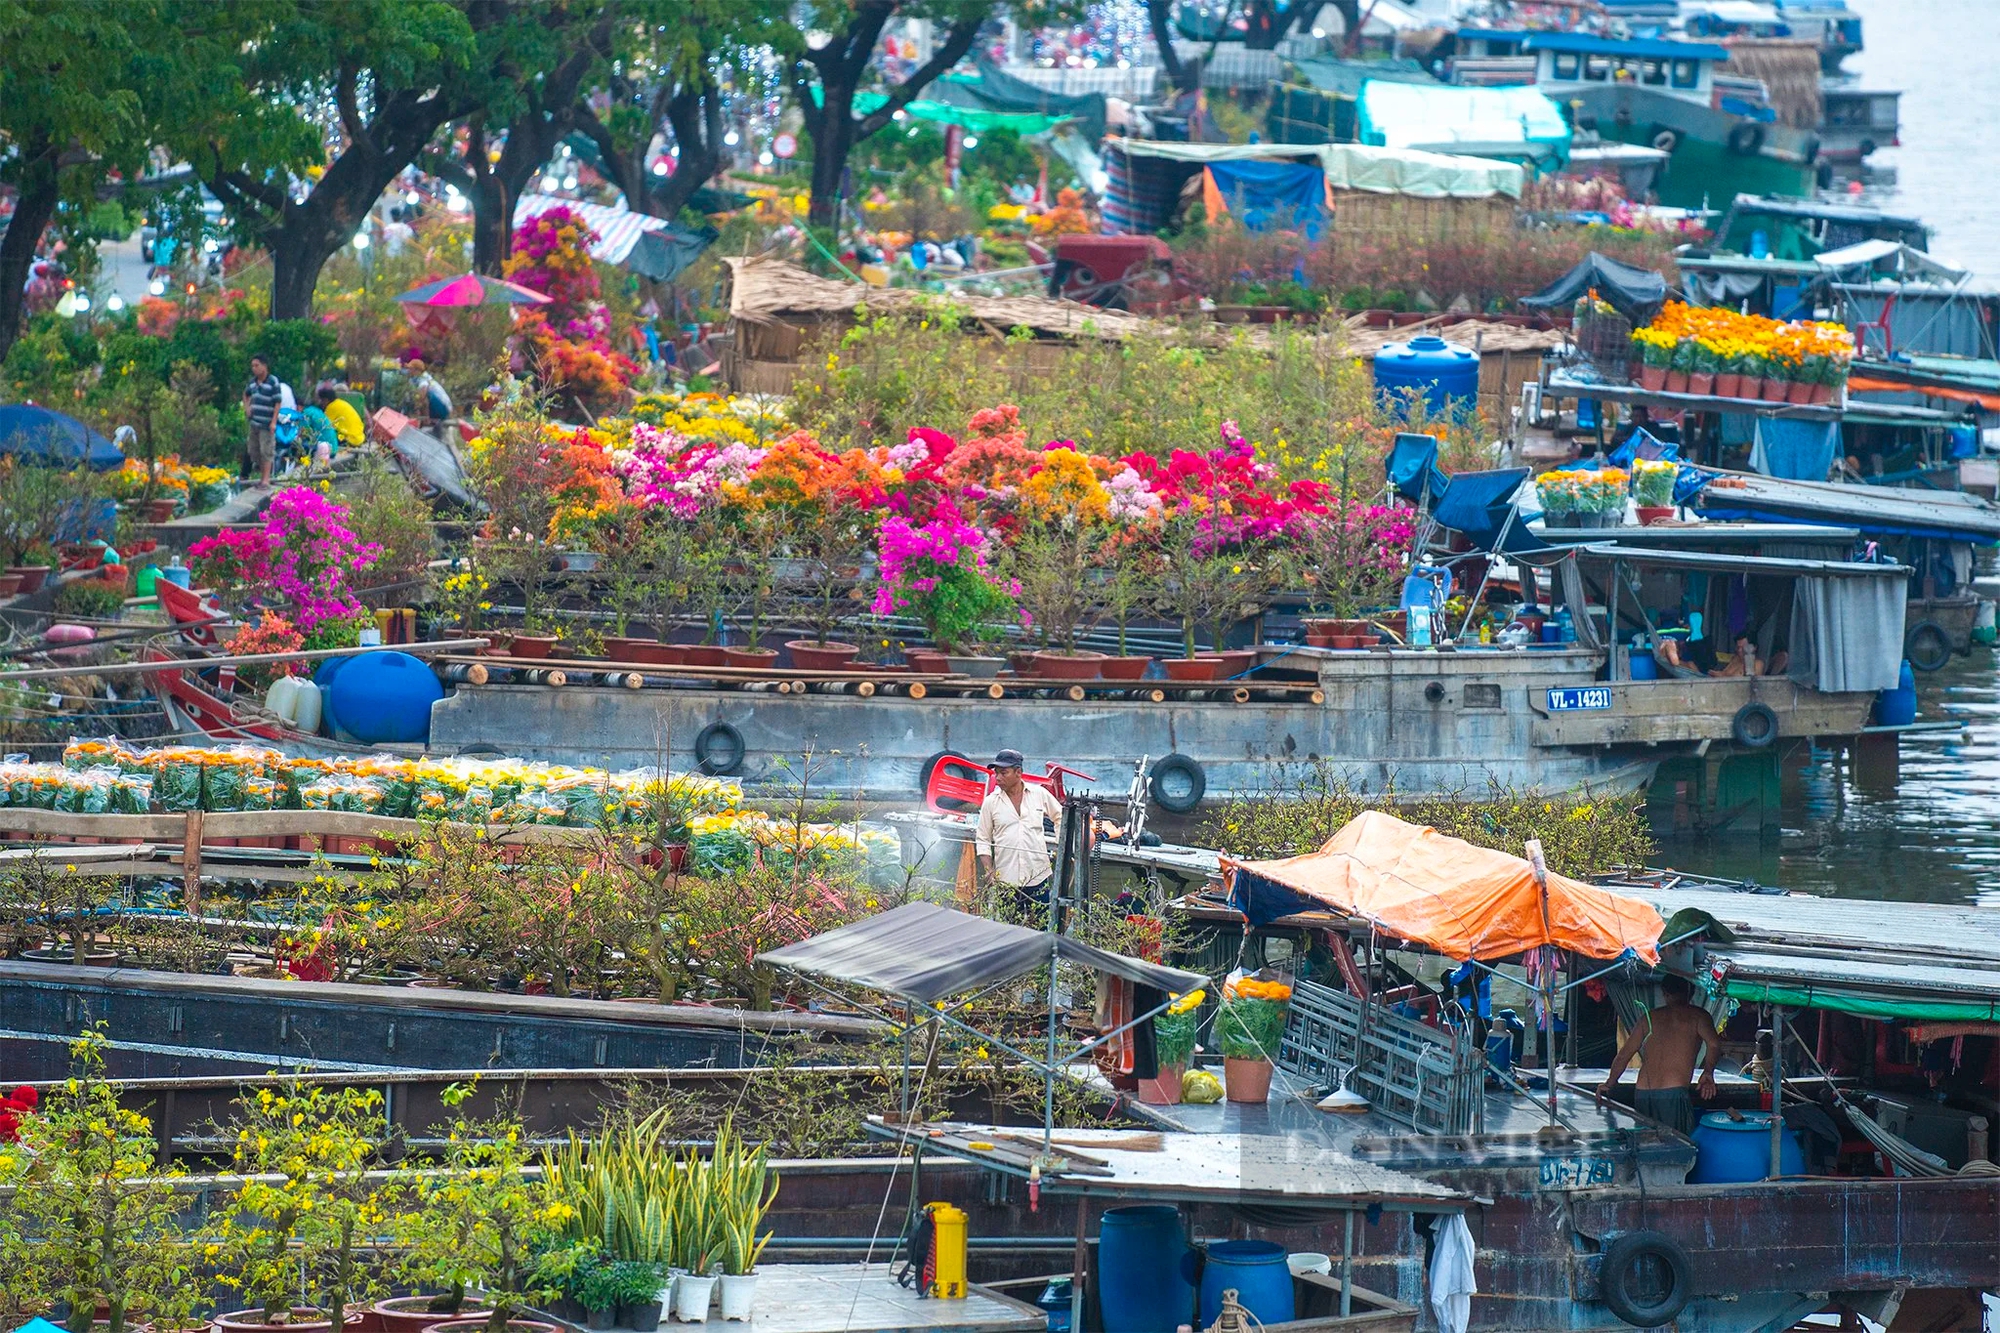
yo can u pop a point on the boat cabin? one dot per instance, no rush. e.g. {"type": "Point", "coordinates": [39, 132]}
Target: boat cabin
{"type": "Point", "coordinates": [1764, 227]}
{"type": "Point", "coordinates": [1854, 122]}
{"type": "Point", "coordinates": [1571, 61]}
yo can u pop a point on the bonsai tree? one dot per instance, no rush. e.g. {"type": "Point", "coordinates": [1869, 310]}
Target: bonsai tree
{"type": "Point", "coordinates": [93, 1220]}
{"type": "Point", "coordinates": [35, 502]}
{"type": "Point", "coordinates": [1352, 557]}
{"type": "Point", "coordinates": [308, 1217]}
{"type": "Point", "coordinates": [1054, 560]}
{"type": "Point", "coordinates": [829, 541]}
{"type": "Point", "coordinates": [1206, 580]}
{"type": "Point", "coordinates": [748, 577]}
{"type": "Point", "coordinates": [940, 572]}
{"type": "Point", "coordinates": [480, 1221]}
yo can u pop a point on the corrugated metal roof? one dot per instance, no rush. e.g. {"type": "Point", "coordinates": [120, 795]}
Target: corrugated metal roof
{"type": "Point", "coordinates": [1919, 933]}
{"type": "Point", "coordinates": [1870, 508]}
{"type": "Point", "coordinates": [1858, 972]}
{"type": "Point", "coordinates": [1722, 563]}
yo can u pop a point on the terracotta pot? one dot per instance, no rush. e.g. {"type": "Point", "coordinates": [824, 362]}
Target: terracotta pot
{"type": "Point", "coordinates": [658, 654]}
{"type": "Point", "coordinates": [1123, 668]}
{"type": "Point", "coordinates": [1344, 643]}
{"type": "Point", "coordinates": [479, 1326]}
{"type": "Point", "coordinates": [1164, 1090]}
{"type": "Point", "coordinates": [1235, 661]}
{"type": "Point", "coordinates": [532, 645]}
{"type": "Point", "coordinates": [1022, 662]}
{"type": "Point", "coordinates": [677, 857]}
{"type": "Point", "coordinates": [32, 576]}
{"type": "Point", "coordinates": [1246, 1080]}
{"type": "Point", "coordinates": [1066, 666]}
{"type": "Point", "coordinates": [1677, 381]}
{"type": "Point", "coordinates": [926, 661]}
{"type": "Point", "coordinates": [1652, 378]}
{"type": "Point", "coordinates": [305, 1319]}
{"type": "Point", "coordinates": [1701, 382]}
{"type": "Point", "coordinates": [1774, 390]}
{"type": "Point", "coordinates": [160, 511]}
{"type": "Point", "coordinates": [749, 657]}
{"type": "Point", "coordinates": [1728, 384]}
{"type": "Point", "coordinates": [406, 1314]}
{"type": "Point", "coordinates": [10, 585]}
{"type": "Point", "coordinates": [1655, 514]}
{"type": "Point", "coordinates": [813, 655]}
{"type": "Point", "coordinates": [705, 655]}
{"type": "Point", "coordinates": [621, 650]}
{"type": "Point", "coordinates": [1323, 639]}
{"type": "Point", "coordinates": [1822, 394]}
{"type": "Point", "coordinates": [1798, 391]}
{"type": "Point", "coordinates": [1192, 668]}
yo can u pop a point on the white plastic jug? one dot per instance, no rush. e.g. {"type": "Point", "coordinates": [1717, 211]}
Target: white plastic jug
{"type": "Point", "coordinates": [283, 698]}
{"type": "Point", "coordinates": [306, 711]}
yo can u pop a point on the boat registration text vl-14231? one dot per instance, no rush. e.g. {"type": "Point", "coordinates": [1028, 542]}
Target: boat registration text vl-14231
{"type": "Point", "coordinates": [1572, 700]}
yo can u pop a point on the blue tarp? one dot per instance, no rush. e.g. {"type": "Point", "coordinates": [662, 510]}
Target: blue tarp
{"type": "Point", "coordinates": [1263, 195]}
{"type": "Point", "coordinates": [1795, 450]}
{"type": "Point", "coordinates": [38, 435]}
{"type": "Point", "coordinates": [1478, 505]}
{"type": "Point", "coordinates": [1643, 444]}
{"type": "Point", "coordinates": [1413, 468]}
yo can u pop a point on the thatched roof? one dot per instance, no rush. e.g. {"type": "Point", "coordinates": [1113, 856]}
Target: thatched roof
{"type": "Point", "coordinates": [1488, 338]}
{"type": "Point", "coordinates": [766, 288]}
{"type": "Point", "coordinates": [1790, 71]}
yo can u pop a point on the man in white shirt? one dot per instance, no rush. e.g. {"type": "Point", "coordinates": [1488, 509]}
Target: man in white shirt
{"type": "Point", "coordinates": [1013, 851]}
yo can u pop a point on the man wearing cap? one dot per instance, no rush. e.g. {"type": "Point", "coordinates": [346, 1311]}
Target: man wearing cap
{"type": "Point", "coordinates": [1013, 851]}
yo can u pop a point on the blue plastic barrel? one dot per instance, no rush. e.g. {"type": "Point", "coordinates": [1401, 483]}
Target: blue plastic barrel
{"type": "Point", "coordinates": [1644, 666]}
{"type": "Point", "coordinates": [1898, 707]}
{"type": "Point", "coordinates": [1729, 1151]}
{"type": "Point", "coordinates": [1257, 1271]}
{"type": "Point", "coordinates": [381, 697]}
{"type": "Point", "coordinates": [1142, 1282]}
{"type": "Point", "coordinates": [1446, 374]}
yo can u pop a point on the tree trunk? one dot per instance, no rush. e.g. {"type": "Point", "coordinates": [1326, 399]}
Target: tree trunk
{"type": "Point", "coordinates": [1159, 17]}
{"type": "Point", "coordinates": [832, 131]}
{"type": "Point", "coordinates": [1350, 19]}
{"type": "Point", "coordinates": [1269, 24]}
{"type": "Point", "coordinates": [33, 209]}
{"type": "Point", "coordinates": [492, 225]}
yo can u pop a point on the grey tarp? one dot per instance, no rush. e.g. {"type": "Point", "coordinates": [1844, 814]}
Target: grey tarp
{"type": "Point", "coordinates": [1636, 293]}
{"type": "Point", "coordinates": [925, 952]}
{"type": "Point", "coordinates": [1847, 634]}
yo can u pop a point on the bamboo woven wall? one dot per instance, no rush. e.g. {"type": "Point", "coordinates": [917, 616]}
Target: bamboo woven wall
{"type": "Point", "coordinates": [1790, 71]}
{"type": "Point", "coordinates": [1359, 211]}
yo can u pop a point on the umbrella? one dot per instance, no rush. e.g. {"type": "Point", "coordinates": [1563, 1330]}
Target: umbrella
{"type": "Point", "coordinates": [38, 435]}
{"type": "Point", "coordinates": [472, 289]}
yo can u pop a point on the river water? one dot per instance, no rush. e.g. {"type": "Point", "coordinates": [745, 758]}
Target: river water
{"type": "Point", "coordinates": [1936, 836]}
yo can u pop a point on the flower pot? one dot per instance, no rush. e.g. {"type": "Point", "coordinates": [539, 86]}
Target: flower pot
{"type": "Point", "coordinates": [1652, 378]}
{"type": "Point", "coordinates": [1822, 394]}
{"type": "Point", "coordinates": [1323, 639]}
{"type": "Point", "coordinates": [644, 1316]}
{"type": "Point", "coordinates": [1164, 1090]}
{"type": "Point", "coordinates": [1123, 668]}
{"type": "Point", "coordinates": [1774, 390]}
{"type": "Point", "coordinates": [1347, 643]}
{"type": "Point", "coordinates": [603, 1321]}
{"type": "Point", "coordinates": [760, 658]}
{"type": "Point", "coordinates": [1246, 1080]}
{"type": "Point", "coordinates": [974, 665]}
{"type": "Point", "coordinates": [1701, 382]}
{"type": "Point", "coordinates": [10, 585]}
{"type": "Point", "coordinates": [63, 955]}
{"type": "Point", "coordinates": [1728, 384]}
{"type": "Point", "coordinates": [705, 655]}
{"type": "Point", "coordinates": [159, 511]}
{"type": "Point", "coordinates": [691, 1297]}
{"type": "Point", "coordinates": [739, 1290]}
{"type": "Point", "coordinates": [677, 857]}
{"type": "Point", "coordinates": [927, 661]}
{"type": "Point", "coordinates": [1192, 668]}
{"type": "Point", "coordinates": [1235, 661]}
{"type": "Point", "coordinates": [412, 1314]}
{"type": "Point", "coordinates": [1655, 514]}
{"type": "Point", "coordinates": [1022, 661]}
{"type": "Point", "coordinates": [1068, 666]}
{"type": "Point", "coordinates": [305, 1319]}
{"type": "Point", "coordinates": [478, 1325]}
{"type": "Point", "coordinates": [1677, 381]}
{"type": "Point", "coordinates": [621, 650]}
{"type": "Point", "coordinates": [533, 645]}
{"type": "Point", "coordinates": [1798, 391]}
{"type": "Point", "coordinates": [815, 655]}
{"type": "Point", "coordinates": [32, 576]}
{"type": "Point", "coordinates": [578, 562]}
{"type": "Point", "coordinates": [649, 653]}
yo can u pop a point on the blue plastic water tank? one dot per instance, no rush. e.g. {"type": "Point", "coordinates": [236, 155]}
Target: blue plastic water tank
{"type": "Point", "coordinates": [1441, 370]}
{"type": "Point", "coordinates": [380, 697]}
{"type": "Point", "coordinates": [1256, 1270]}
{"type": "Point", "coordinates": [1727, 1151]}
{"type": "Point", "coordinates": [1898, 707]}
{"type": "Point", "coordinates": [1142, 1284]}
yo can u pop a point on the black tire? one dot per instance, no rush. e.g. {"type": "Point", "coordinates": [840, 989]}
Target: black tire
{"type": "Point", "coordinates": [1644, 1279]}
{"type": "Point", "coordinates": [481, 750]}
{"type": "Point", "coordinates": [1823, 176]}
{"type": "Point", "coordinates": [1746, 139]}
{"type": "Point", "coordinates": [1177, 784]}
{"type": "Point", "coordinates": [1868, 147]}
{"type": "Point", "coordinates": [1666, 140]}
{"type": "Point", "coordinates": [719, 750]}
{"type": "Point", "coordinates": [931, 766]}
{"type": "Point", "coordinates": [1927, 645]}
{"type": "Point", "coordinates": [1754, 726]}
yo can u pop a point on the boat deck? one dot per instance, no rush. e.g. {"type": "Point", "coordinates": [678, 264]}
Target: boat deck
{"type": "Point", "coordinates": [832, 1298]}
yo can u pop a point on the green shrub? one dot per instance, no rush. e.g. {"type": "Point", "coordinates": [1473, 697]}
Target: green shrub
{"type": "Point", "coordinates": [90, 599]}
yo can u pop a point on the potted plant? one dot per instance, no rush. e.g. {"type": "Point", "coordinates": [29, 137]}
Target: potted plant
{"type": "Point", "coordinates": [1653, 488]}
{"type": "Point", "coordinates": [1173, 1045]}
{"type": "Point", "coordinates": [760, 534]}
{"type": "Point", "coordinates": [478, 1221]}
{"type": "Point", "coordinates": [598, 1292]}
{"type": "Point", "coordinates": [1051, 558]}
{"type": "Point", "coordinates": [1701, 374]}
{"type": "Point", "coordinates": [939, 572]}
{"type": "Point", "coordinates": [637, 1286]}
{"type": "Point", "coordinates": [829, 543]}
{"type": "Point", "coordinates": [745, 1189]}
{"type": "Point", "coordinates": [1208, 580]}
{"type": "Point", "coordinates": [307, 1218]}
{"type": "Point", "coordinates": [1249, 1025]}
{"type": "Point", "coordinates": [709, 583]}
{"type": "Point", "coordinates": [1656, 356]}
{"type": "Point", "coordinates": [1683, 363]}
{"type": "Point", "coordinates": [1124, 586]}
{"type": "Point", "coordinates": [94, 1217]}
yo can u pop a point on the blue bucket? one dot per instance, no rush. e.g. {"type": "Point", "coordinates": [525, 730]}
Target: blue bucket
{"type": "Point", "coordinates": [1729, 1151]}
{"type": "Point", "coordinates": [1898, 707]}
{"type": "Point", "coordinates": [1142, 1282]}
{"type": "Point", "coordinates": [1256, 1270]}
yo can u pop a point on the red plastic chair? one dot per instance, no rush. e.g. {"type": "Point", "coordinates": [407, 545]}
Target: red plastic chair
{"type": "Point", "coordinates": [958, 786]}
{"type": "Point", "coordinates": [1881, 326]}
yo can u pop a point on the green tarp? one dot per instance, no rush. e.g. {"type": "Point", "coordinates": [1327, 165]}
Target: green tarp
{"type": "Point", "coordinates": [965, 117]}
{"type": "Point", "coordinates": [1861, 1004]}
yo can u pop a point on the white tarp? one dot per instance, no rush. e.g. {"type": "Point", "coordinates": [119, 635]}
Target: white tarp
{"type": "Point", "coordinates": [1357, 166]}
{"type": "Point", "coordinates": [1908, 260]}
{"type": "Point", "coordinates": [1397, 115]}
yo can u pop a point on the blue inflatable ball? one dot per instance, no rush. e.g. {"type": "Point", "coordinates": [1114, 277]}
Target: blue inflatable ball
{"type": "Point", "coordinates": [379, 697]}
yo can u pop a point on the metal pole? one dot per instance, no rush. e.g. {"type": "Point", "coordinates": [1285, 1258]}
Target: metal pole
{"type": "Point", "coordinates": [1078, 1266]}
{"type": "Point", "coordinates": [1541, 869]}
{"type": "Point", "coordinates": [1777, 1088]}
{"type": "Point", "coordinates": [1347, 1266]}
{"type": "Point", "coordinates": [1049, 1074]}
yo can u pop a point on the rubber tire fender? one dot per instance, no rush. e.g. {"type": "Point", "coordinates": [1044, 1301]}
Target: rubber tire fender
{"type": "Point", "coordinates": [1754, 726]}
{"type": "Point", "coordinates": [1746, 139]}
{"type": "Point", "coordinates": [930, 767]}
{"type": "Point", "coordinates": [1666, 140]}
{"type": "Point", "coordinates": [1616, 1279]}
{"type": "Point", "coordinates": [1182, 802]}
{"type": "Point", "coordinates": [719, 750]}
{"type": "Point", "coordinates": [1927, 632]}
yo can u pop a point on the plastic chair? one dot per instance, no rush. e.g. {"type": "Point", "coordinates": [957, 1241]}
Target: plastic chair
{"type": "Point", "coordinates": [1881, 325]}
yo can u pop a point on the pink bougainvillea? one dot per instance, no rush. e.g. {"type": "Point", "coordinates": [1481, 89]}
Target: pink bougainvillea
{"type": "Point", "coordinates": [305, 553]}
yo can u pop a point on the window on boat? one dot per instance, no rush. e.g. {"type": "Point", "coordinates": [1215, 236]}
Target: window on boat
{"type": "Point", "coordinates": [1655, 72]}
{"type": "Point", "coordinates": [1597, 69]}
{"type": "Point", "coordinates": [1566, 65]}
{"type": "Point", "coordinates": [1687, 73]}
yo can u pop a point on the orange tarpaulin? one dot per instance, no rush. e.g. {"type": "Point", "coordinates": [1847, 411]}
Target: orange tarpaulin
{"type": "Point", "coordinates": [1444, 893]}
{"type": "Point", "coordinates": [1868, 384]}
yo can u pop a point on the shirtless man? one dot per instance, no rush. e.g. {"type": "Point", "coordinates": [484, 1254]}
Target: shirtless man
{"type": "Point", "coordinates": [1669, 1037]}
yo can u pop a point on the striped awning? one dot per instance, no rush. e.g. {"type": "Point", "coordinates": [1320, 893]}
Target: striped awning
{"type": "Point", "coordinates": [618, 229]}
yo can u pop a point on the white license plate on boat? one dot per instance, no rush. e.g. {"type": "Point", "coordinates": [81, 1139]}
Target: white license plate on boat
{"type": "Point", "coordinates": [1570, 701]}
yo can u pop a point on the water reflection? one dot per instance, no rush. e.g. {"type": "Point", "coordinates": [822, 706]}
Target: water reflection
{"type": "Point", "coordinates": [1934, 838]}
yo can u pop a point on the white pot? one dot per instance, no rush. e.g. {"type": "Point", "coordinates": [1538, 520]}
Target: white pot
{"type": "Point", "coordinates": [737, 1293]}
{"type": "Point", "coordinates": [691, 1298]}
